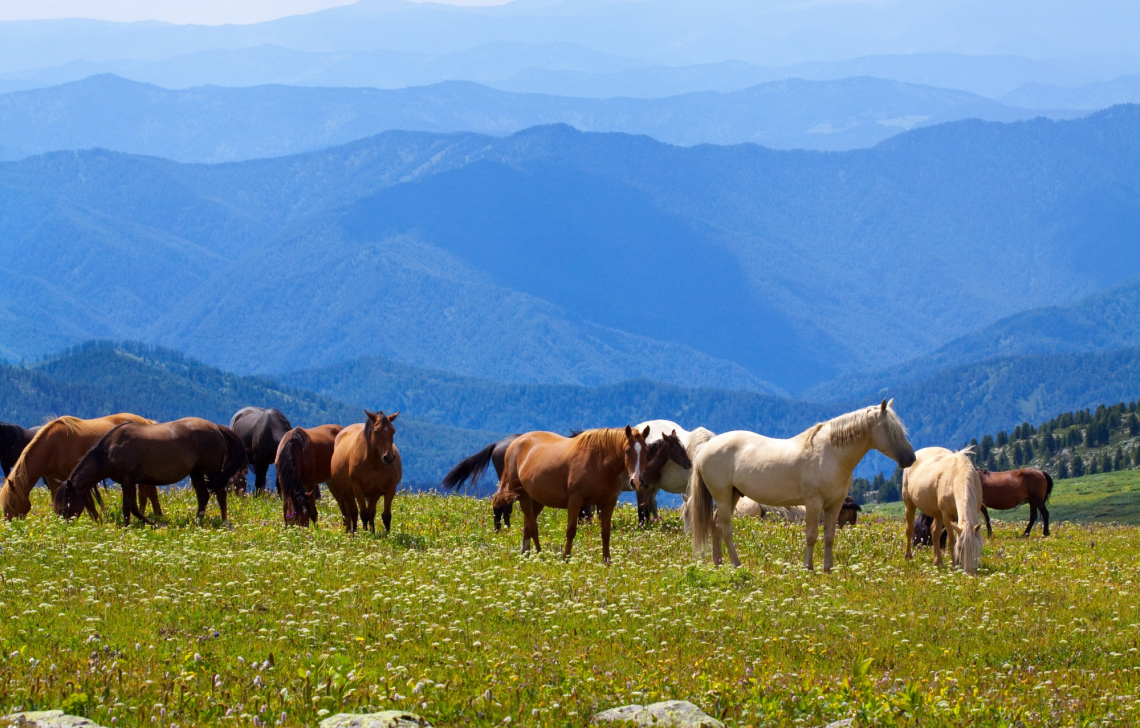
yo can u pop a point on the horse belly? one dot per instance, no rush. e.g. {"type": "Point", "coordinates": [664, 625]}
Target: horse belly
{"type": "Point", "coordinates": [1002, 499]}
{"type": "Point", "coordinates": [674, 478]}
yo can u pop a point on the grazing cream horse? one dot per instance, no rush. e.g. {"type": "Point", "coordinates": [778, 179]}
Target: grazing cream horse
{"type": "Point", "coordinates": [674, 478]}
{"type": "Point", "coordinates": [812, 469]}
{"type": "Point", "coordinates": [944, 485]}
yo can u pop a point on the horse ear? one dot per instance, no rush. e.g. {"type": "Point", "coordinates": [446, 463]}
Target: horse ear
{"type": "Point", "coordinates": [392, 417]}
{"type": "Point", "coordinates": [978, 530]}
{"type": "Point", "coordinates": [674, 434]}
{"type": "Point", "coordinates": [883, 407]}
{"type": "Point", "coordinates": [370, 415]}
{"type": "Point", "coordinates": [955, 528]}
{"type": "Point", "coordinates": [645, 432]}
{"type": "Point", "coordinates": [628, 431]}
{"type": "Point", "coordinates": [891, 403]}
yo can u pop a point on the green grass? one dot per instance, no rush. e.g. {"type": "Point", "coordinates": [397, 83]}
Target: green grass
{"type": "Point", "coordinates": [1101, 498]}
{"type": "Point", "coordinates": [175, 625]}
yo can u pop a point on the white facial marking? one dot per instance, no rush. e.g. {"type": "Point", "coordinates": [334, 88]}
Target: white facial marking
{"type": "Point", "coordinates": [637, 462]}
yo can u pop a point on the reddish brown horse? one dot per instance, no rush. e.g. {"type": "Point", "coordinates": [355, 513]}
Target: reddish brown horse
{"type": "Point", "coordinates": [1010, 489]}
{"type": "Point", "coordinates": [543, 469]}
{"type": "Point", "coordinates": [52, 454]}
{"type": "Point", "coordinates": [365, 467]}
{"type": "Point", "coordinates": [135, 455]}
{"type": "Point", "coordinates": [304, 461]}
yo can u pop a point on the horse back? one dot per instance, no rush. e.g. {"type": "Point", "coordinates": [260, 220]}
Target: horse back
{"type": "Point", "coordinates": [319, 452]}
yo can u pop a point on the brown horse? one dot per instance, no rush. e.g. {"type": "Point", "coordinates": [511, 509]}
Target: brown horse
{"type": "Point", "coordinates": [544, 469]}
{"type": "Point", "coordinates": [365, 466]}
{"type": "Point", "coordinates": [136, 454]}
{"type": "Point", "coordinates": [52, 454]}
{"type": "Point", "coordinates": [304, 461]}
{"type": "Point", "coordinates": [1010, 489]}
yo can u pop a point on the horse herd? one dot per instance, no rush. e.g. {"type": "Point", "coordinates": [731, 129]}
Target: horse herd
{"type": "Point", "coordinates": [743, 473]}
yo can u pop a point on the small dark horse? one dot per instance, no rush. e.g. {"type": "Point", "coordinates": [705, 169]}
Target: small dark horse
{"type": "Point", "coordinates": [13, 440]}
{"type": "Point", "coordinates": [1010, 489]}
{"type": "Point", "coordinates": [260, 431]}
{"type": "Point", "coordinates": [923, 524]}
{"type": "Point", "coordinates": [151, 455]}
{"type": "Point", "coordinates": [470, 469]}
{"type": "Point", "coordinates": [661, 452]}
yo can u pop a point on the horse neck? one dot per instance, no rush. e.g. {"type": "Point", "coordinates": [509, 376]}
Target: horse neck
{"type": "Point", "coordinates": [657, 463]}
{"type": "Point", "coordinates": [29, 468]}
{"type": "Point", "coordinates": [967, 494]}
{"type": "Point", "coordinates": [849, 454]}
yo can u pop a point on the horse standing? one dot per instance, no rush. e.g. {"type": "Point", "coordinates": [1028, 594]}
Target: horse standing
{"type": "Point", "coordinates": [304, 461]}
{"type": "Point", "coordinates": [676, 465]}
{"type": "Point", "coordinates": [137, 454]}
{"type": "Point", "coordinates": [260, 431]}
{"type": "Point", "coordinates": [544, 469]}
{"type": "Point", "coordinates": [944, 485]}
{"type": "Point", "coordinates": [365, 467]}
{"type": "Point", "coordinates": [812, 469]}
{"type": "Point", "coordinates": [52, 454]}
{"type": "Point", "coordinates": [471, 468]}
{"type": "Point", "coordinates": [1003, 491]}
{"type": "Point", "coordinates": [13, 440]}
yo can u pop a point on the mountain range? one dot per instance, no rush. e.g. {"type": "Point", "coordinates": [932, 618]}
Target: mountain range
{"type": "Point", "coordinates": [559, 256]}
{"type": "Point", "coordinates": [216, 124]}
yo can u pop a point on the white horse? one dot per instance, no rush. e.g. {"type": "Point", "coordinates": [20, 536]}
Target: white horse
{"type": "Point", "coordinates": [812, 469]}
{"type": "Point", "coordinates": [945, 486]}
{"type": "Point", "coordinates": [674, 478]}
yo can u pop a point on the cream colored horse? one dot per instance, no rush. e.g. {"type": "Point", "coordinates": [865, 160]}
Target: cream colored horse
{"type": "Point", "coordinates": [945, 486]}
{"type": "Point", "coordinates": [812, 469]}
{"type": "Point", "coordinates": [674, 478]}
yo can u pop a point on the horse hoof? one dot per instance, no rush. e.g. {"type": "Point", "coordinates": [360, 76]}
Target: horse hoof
{"type": "Point", "coordinates": [227, 525]}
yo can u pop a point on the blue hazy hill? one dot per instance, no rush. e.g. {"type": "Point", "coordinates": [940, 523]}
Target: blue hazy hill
{"type": "Point", "coordinates": [559, 256]}
{"type": "Point", "coordinates": [216, 124]}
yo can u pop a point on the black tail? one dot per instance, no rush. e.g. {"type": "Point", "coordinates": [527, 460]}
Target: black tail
{"type": "Point", "coordinates": [289, 482]}
{"type": "Point", "coordinates": [1048, 488]}
{"type": "Point", "coordinates": [469, 469]}
{"type": "Point", "coordinates": [234, 460]}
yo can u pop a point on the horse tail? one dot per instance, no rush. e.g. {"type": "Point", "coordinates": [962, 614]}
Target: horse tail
{"type": "Point", "coordinates": [1048, 486]}
{"type": "Point", "coordinates": [700, 509]}
{"type": "Point", "coordinates": [288, 479]}
{"type": "Point", "coordinates": [233, 460]}
{"type": "Point", "coordinates": [470, 468]}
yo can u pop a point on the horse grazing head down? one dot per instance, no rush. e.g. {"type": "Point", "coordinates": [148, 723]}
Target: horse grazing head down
{"type": "Point", "coordinates": [68, 501]}
{"type": "Point", "coordinates": [636, 455]}
{"type": "Point", "coordinates": [379, 435]}
{"type": "Point", "coordinates": [888, 435]}
{"type": "Point", "coordinates": [848, 514]}
{"type": "Point", "coordinates": [968, 547]}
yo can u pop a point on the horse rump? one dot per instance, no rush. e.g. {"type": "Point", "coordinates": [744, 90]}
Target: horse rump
{"type": "Point", "coordinates": [289, 478]}
{"type": "Point", "coordinates": [234, 460]}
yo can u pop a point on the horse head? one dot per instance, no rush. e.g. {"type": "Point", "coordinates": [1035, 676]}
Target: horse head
{"type": "Point", "coordinates": [67, 500]}
{"type": "Point", "coordinates": [379, 436]}
{"type": "Point", "coordinates": [636, 455]}
{"type": "Point", "coordinates": [968, 547]}
{"type": "Point", "coordinates": [888, 435]}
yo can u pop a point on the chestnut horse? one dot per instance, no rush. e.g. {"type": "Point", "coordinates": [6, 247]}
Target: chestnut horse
{"type": "Point", "coordinates": [52, 454]}
{"type": "Point", "coordinates": [1010, 489]}
{"type": "Point", "coordinates": [304, 461]}
{"type": "Point", "coordinates": [136, 454]}
{"type": "Point", "coordinates": [365, 466]}
{"type": "Point", "coordinates": [545, 469]}
{"type": "Point", "coordinates": [471, 468]}
{"type": "Point", "coordinates": [260, 431]}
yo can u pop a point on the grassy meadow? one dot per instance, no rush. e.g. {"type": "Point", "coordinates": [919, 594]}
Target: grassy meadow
{"type": "Point", "coordinates": [189, 625]}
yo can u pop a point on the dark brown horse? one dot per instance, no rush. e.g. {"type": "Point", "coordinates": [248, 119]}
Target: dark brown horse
{"type": "Point", "coordinates": [663, 451]}
{"type": "Point", "coordinates": [543, 469]}
{"type": "Point", "coordinates": [304, 461]}
{"type": "Point", "coordinates": [13, 440]}
{"type": "Point", "coordinates": [366, 466]}
{"type": "Point", "coordinates": [137, 455]}
{"type": "Point", "coordinates": [1010, 489]}
{"type": "Point", "coordinates": [471, 468]}
{"type": "Point", "coordinates": [260, 431]}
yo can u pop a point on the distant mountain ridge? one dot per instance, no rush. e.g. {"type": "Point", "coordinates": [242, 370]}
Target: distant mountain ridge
{"type": "Point", "coordinates": [214, 124]}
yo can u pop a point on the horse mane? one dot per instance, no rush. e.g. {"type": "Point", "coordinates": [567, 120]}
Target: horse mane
{"type": "Point", "coordinates": [18, 478]}
{"type": "Point", "coordinates": [602, 441]}
{"type": "Point", "coordinates": [847, 428]}
{"type": "Point", "coordinates": [697, 439]}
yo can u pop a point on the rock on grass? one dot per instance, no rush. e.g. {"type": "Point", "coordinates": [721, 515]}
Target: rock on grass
{"type": "Point", "coordinates": [47, 719]}
{"type": "Point", "coordinates": [668, 714]}
{"type": "Point", "coordinates": [383, 719]}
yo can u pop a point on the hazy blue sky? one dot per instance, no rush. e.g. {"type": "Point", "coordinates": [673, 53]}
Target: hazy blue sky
{"type": "Point", "coordinates": [209, 12]}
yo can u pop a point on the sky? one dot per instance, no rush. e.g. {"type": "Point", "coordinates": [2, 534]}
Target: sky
{"type": "Point", "coordinates": [206, 12]}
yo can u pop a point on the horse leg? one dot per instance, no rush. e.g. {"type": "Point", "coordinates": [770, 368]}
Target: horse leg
{"type": "Point", "coordinates": [510, 507]}
{"type": "Point", "coordinates": [498, 518]}
{"type": "Point", "coordinates": [909, 530]}
{"type": "Point", "coordinates": [573, 507]}
{"type": "Point", "coordinates": [198, 480]}
{"type": "Point", "coordinates": [386, 516]}
{"type": "Point", "coordinates": [726, 531]}
{"type": "Point", "coordinates": [936, 539]}
{"type": "Point", "coordinates": [811, 528]}
{"type": "Point", "coordinates": [530, 522]}
{"type": "Point", "coordinates": [130, 500]}
{"type": "Point", "coordinates": [1032, 519]}
{"type": "Point", "coordinates": [830, 520]}
{"type": "Point", "coordinates": [989, 529]}
{"type": "Point", "coordinates": [605, 513]}
{"type": "Point", "coordinates": [152, 493]}
{"type": "Point", "coordinates": [220, 494]}
{"type": "Point", "coordinates": [1044, 518]}
{"type": "Point", "coordinates": [260, 470]}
